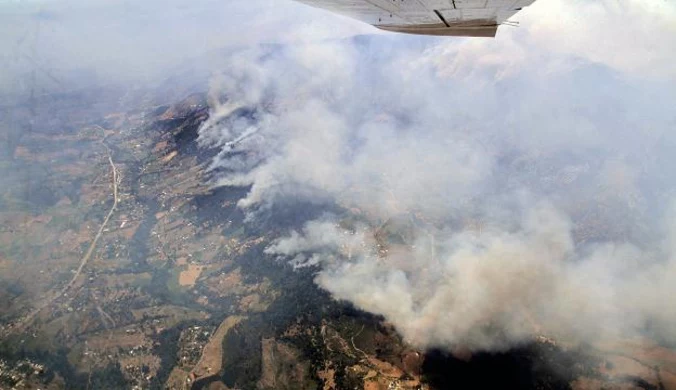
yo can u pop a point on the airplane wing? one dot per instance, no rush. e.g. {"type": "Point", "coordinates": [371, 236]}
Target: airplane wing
{"type": "Point", "coordinates": [467, 18]}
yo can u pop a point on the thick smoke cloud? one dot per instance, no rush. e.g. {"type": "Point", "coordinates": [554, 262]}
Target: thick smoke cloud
{"type": "Point", "coordinates": [496, 289]}
{"type": "Point", "coordinates": [494, 190]}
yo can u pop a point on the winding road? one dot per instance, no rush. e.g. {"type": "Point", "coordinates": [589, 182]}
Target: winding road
{"type": "Point", "coordinates": [90, 251]}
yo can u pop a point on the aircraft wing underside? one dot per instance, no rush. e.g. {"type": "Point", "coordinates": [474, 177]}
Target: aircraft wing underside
{"type": "Point", "coordinates": [470, 18]}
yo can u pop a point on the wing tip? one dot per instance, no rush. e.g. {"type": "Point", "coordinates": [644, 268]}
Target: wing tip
{"type": "Point", "coordinates": [465, 31]}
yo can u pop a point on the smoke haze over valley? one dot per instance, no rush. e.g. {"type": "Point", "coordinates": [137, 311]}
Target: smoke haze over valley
{"type": "Point", "coordinates": [478, 195]}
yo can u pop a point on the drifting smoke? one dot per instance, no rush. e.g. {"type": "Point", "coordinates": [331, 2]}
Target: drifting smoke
{"type": "Point", "coordinates": [494, 190]}
{"type": "Point", "coordinates": [55, 46]}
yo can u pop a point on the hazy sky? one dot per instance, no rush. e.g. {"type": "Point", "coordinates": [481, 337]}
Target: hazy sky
{"type": "Point", "coordinates": [140, 39]}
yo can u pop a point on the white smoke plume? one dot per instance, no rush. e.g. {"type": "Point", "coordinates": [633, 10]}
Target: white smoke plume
{"type": "Point", "coordinates": [494, 190]}
{"type": "Point", "coordinates": [496, 289]}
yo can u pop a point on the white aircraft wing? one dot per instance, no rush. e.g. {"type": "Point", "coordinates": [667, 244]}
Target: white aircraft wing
{"type": "Point", "coordinates": [469, 18]}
